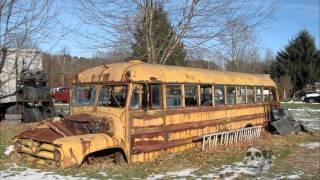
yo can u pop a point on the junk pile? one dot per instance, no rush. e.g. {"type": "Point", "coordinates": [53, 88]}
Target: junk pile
{"type": "Point", "coordinates": [283, 123]}
{"type": "Point", "coordinates": [33, 99]}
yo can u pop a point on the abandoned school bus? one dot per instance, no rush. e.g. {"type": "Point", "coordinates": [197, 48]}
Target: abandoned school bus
{"type": "Point", "coordinates": [138, 112]}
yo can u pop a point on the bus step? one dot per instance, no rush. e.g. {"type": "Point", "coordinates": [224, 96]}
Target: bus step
{"type": "Point", "coordinates": [210, 141]}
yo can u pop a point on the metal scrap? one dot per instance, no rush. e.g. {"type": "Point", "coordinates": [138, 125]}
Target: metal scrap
{"type": "Point", "coordinates": [283, 123]}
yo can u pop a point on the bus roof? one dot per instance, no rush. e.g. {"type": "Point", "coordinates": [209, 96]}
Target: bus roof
{"type": "Point", "coordinates": [136, 71]}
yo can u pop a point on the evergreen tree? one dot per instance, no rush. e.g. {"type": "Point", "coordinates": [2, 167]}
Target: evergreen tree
{"type": "Point", "coordinates": [300, 60]}
{"type": "Point", "coordinates": [162, 31]}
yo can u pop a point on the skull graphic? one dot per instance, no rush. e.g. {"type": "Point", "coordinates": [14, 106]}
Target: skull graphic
{"type": "Point", "coordinates": [257, 159]}
{"type": "Point", "coordinates": [253, 154]}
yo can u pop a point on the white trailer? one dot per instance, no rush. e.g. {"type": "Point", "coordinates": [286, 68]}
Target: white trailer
{"type": "Point", "coordinates": [16, 61]}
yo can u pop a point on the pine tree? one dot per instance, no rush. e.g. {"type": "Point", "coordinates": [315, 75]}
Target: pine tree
{"type": "Point", "coordinates": [162, 30]}
{"type": "Point", "coordinates": [300, 60]}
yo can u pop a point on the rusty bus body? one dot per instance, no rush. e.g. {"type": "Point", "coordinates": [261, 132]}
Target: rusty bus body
{"type": "Point", "coordinates": [141, 111]}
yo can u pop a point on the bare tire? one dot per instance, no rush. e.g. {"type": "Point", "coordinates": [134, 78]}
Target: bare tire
{"type": "Point", "coordinates": [37, 114]}
{"type": "Point", "coordinates": [31, 115]}
{"type": "Point", "coordinates": [15, 109]}
{"type": "Point", "coordinates": [49, 111]}
{"type": "Point", "coordinates": [12, 116]}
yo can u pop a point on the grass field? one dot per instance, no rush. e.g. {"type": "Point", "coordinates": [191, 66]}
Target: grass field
{"type": "Point", "coordinates": [291, 159]}
{"type": "Point", "coordinates": [300, 105]}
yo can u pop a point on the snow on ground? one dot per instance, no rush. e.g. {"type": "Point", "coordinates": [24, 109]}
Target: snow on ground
{"type": "Point", "coordinates": [313, 95]}
{"type": "Point", "coordinates": [297, 175]}
{"type": "Point", "coordinates": [18, 173]}
{"type": "Point", "coordinates": [297, 102]}
{"type": "Point", "coordinates": [232, 171]}
{"type": "Point", "coordinates": [8, 150]}
{"type": "Point", "coordinates": [312, 145]}
{"type": "Point", "coordinates": [309, 117]}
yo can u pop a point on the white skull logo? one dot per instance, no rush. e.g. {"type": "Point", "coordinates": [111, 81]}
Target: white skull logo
{"type": "Point", "coordinates": [253, 154]}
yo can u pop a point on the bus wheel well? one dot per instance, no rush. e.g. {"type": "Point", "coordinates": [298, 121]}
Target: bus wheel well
{"type": "Point", "coordinates": [248, 125]}
{"type": "Point", "coordinates": [115, 155]}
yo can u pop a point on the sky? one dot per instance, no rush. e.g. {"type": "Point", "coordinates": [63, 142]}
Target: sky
{"type": "Point", "coordinates": [290, 17]}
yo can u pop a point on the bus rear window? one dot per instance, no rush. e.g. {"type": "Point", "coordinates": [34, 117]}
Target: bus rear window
{"type": "Point", "coordinates": [83, 95]}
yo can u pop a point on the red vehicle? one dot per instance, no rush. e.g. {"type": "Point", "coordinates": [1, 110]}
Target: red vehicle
{"type": "Point", "coordinates": [61, 95]}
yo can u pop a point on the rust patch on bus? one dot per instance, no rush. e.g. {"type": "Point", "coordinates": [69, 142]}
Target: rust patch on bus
{"type": "Point", "coordinates": [85, 146]}
{"type": "Point", "coordinates": [192, 125]}
{"type": "Point", "coordinates": [54, 139]}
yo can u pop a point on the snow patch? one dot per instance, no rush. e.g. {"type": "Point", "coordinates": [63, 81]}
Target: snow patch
{"type": "Point", "coordinates": [312, 145]}
{"type": "Point", "coordinates": [313, 95]}
{"type": "Point", "coordinates": [232, 171]}
{"type": "Point", "coordinates": [182, 173]}
{"type": "Point", "coordinates": [8, 150]}
{"type": "Point", "coordinates": [305, 110]}
{"type": "Point", "coordinates": [174, 174]}
{"type": "Point", "coordinates": [309, 117]}
{"type": "Point", "coordinates": [103, 173]}
{"type": "Point", "coordinates": [296, 175]}
{"type": "Point", "coordinates": [18, 173]}
{"type": "Point", "coordinates": [297, 102]}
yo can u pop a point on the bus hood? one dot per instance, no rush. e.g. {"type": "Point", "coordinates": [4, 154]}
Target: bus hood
{"type": "Point", "coordinates": [65, 142]}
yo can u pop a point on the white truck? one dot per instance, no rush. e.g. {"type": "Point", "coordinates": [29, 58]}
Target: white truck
{"type": "Point", "coordinates": [20, 86]}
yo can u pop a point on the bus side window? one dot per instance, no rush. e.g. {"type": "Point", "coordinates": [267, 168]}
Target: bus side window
{"type": "Point", "coordinates": [219, 95]}
{"type": "Point", "coordinates": [155, 96]}
{"type": "Point", "coordinates": [191, 95]}
{"type": "Point", "coordinates": [241, 95]}
{"type": "Point", "coordinates": [266, 93]}
{"type": "Point", "coordinates": [173, 96]}
{"type": "Point", "coordinates": [138, 98]}
{"type": "Point", "coordinates": [231, 95]}
{"type": "Point", "coordinates": [273, 95]}
{"type": "Point", "coordinates": [258, 94]}
{"type": "Point", "coordinates": [206, 95]}
{"type": "Point", "coordinates": [250, 94]}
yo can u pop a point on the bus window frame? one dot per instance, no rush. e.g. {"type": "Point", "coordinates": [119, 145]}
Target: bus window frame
{"type": "Point", "coordinates": [184, 95]}
{"type": "Point", "coordinates": [142, 95]}
{"type": "Point", "coordinates": [235, 93]}
{"type": "Point", "coordinates": [269, 90]}
{"type": "Point", "coordinates": [210, 86]}
{"type": "Point", "coordinates": [261, 94]}
{"type": "Point", "coordinates": [181, 95]}
{"type": "Point", "coordinates": [238, 94]}
{"type": "Point", "coordinates": [224, 94]}
{"type": "Point", "coordinates": [160, 98]}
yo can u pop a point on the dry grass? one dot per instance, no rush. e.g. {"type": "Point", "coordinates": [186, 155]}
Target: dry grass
{"type": "Point", "coordinates": [289, 157]}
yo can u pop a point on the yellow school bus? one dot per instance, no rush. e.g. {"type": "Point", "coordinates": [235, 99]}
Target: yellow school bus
{"type": "Point", "coordinates": [137, 112]}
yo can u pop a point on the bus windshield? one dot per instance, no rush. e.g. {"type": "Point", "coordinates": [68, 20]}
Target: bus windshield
{"type": "Point", "coordinates": [83, 94]}
{"type": "Point", "coordinates": [113, 96]}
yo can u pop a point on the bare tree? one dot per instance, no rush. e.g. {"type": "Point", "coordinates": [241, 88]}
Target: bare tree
{"type": "Point", "coordinates": [196, 23]}
{"type": "Point", "coordinates": [23, 24]}
{"type": "Point", "coordinates": [238, 43]}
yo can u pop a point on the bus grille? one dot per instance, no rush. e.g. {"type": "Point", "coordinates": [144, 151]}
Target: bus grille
{"type": "Point", "coordinates": [41, 153]}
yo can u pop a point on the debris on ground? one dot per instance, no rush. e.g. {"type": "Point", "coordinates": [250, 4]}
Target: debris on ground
{"type": "Point", "coordinates": [311, 145]}
{"type": "Point", "coordinates": [284, 124]}
{"type": "Point", "coordinates": [17, 173]}
{"type": "Point", "coordinates": [8, 150]}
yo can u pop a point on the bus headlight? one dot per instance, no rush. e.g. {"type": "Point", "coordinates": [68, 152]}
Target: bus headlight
{"type": "Point", "coordinates": [57, 155]}
{"type": "Point", "coordinates": [17, 145]}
